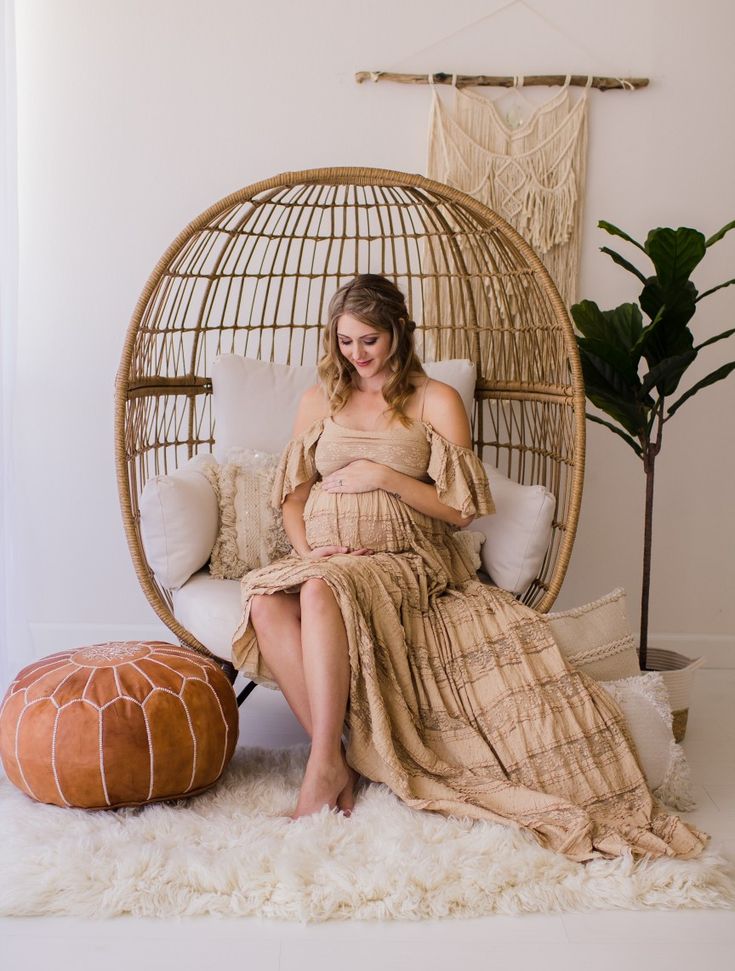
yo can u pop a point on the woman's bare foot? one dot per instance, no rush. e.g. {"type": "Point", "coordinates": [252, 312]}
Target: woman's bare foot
{"type": "Point", "coordinates": [323, 783]}
{"type": "Point", "coordinates": [345, 800]}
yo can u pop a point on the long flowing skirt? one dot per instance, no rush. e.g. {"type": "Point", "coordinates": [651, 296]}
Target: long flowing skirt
{"type": "Point", "coordinates": [462, 703]}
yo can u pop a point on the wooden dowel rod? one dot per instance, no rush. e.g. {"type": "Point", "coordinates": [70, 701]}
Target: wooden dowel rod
{"type": "Point", "coordinates": [529, 81]}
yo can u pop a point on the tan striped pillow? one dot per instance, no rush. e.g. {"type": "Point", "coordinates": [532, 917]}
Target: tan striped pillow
{"type": "Point", "coordinates": [596, 638]}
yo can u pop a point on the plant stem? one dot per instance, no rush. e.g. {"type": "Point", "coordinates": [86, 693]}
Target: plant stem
{"type": "Point", "coordinates": [650, 452]}
{"type": "Point", "coordinates": [649, 465]}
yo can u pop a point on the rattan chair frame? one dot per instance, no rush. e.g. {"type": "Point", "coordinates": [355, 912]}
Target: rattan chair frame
{"type": "Point", "coordinates": [471, 267]}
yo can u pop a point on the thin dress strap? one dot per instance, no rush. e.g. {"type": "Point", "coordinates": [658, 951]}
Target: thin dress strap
{"type": "Point", "coordinates": [423, 398]}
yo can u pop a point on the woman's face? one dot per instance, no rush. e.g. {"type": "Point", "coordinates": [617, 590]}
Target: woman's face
{"type": "Point", "coordinates": [365, 347]}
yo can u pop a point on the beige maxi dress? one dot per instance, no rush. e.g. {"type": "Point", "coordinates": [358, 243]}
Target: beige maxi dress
{"type": "Point", "coordinates": [460, 700]}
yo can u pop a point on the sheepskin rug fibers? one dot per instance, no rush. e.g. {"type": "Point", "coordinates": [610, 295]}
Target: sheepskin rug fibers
{"type": "Point", "coordinates": [228, 852]}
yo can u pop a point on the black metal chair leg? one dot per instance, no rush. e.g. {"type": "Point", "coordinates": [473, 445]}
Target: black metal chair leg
{"type": "Point", "coordinates": [245, 692]}
{"type": "Point", "coordinates": [231, 671]}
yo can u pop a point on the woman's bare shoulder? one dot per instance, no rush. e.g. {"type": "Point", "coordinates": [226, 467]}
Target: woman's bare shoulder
{"type": "Point", "coordinates": [444, 410]}
{"type": "Point", "coordinates": [313, 405]}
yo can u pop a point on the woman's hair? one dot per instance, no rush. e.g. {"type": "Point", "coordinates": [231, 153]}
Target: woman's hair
{"type": "Point", "coordinates": [375, 301]}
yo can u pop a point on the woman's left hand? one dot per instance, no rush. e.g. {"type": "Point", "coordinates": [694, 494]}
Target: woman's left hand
{"type": "Point", "coordinates": [362, 475]}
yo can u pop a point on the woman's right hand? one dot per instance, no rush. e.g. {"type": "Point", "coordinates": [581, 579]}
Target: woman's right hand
{"type": "Point", "coordinates": [323, 551]}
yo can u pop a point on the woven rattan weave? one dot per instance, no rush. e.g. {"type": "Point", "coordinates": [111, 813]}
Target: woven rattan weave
{"type": "Point", "coordinates": [253, 275]}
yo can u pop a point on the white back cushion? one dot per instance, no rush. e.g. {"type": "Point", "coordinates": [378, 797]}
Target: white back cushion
{"type": "Point", "coordinates": [254, 402]}
{"type": "Point", "coordinates": [178, 521]}
{"type": "Point", "coordinates": [518, 534]}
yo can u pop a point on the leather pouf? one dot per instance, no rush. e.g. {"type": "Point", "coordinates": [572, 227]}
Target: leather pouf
{"type": "Point", "coordinates": [118, 724]}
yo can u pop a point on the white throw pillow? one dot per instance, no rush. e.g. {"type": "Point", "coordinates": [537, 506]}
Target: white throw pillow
{"type": "Point", "coordinates": [644, 702]}
{"type": "Point", "coordinates": [254, 402]}
{"type": "Point", "coordinates": [518, 534]}
{"type": "Point", "coordinates": [178, 521]}
{"type": "Point", "coordinates": [251, 532]}
{"type": "Point", "coordinates": [596, 638]}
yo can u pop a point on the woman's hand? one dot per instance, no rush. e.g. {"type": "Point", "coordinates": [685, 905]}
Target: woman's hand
{"type": "Point", "coordinates": [320, 552]}
{"type": "Point", "coordinates": [362, 475]}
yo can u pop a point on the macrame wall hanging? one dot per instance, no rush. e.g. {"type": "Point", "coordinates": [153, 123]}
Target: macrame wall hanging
{"type": "Point", "coordinates": [532, 173]}
{"type": "Point", "coordinates": [527, 166]}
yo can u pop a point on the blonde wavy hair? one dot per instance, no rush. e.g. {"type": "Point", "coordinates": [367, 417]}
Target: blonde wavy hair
{"type": "Point", "coordinates": [378, 302]}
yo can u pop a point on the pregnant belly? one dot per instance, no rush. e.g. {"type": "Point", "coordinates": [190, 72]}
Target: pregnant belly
{"type": "Point", "coordinates": [374, 519]}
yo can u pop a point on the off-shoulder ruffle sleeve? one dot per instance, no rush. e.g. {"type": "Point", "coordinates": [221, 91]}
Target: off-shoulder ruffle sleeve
{"type": "Point", "coordinates": [296, 464]}
{"type": "Point", "coordinates": [459, 476]}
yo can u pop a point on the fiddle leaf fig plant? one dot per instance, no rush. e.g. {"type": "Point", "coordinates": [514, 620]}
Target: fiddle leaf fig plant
{"type": "Point", "coordinates": [635, 356]}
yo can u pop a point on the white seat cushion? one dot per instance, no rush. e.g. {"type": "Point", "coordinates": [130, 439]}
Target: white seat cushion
{"type": "Point", "coordinates": [210, 610]}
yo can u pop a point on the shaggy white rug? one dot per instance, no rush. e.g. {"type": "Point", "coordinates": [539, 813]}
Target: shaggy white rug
{"type": "Point", "coordinates": [227, 853]}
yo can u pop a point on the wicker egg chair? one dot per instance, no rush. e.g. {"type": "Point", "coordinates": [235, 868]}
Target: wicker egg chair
{"type": "Point", "coordinates": [253, 275]}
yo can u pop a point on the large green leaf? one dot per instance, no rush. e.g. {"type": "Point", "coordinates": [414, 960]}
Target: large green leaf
{"type": "Point", "coordinates": [621, 261]}
{"type": "Point", "coordinates": [718, 375]}
{"type": "Point", "coordinates": [717, 337]}
{"type": "Point", "coordinates": [589, 319]}
{"type": "Point", "coordinates": [667, 335]}
{"type": "Point", "coordinates": [678, 300]}
{"type": "Point", "coordinates": [613, 392]}
{"type": "Point", "coordinates": [620, 327]}
{"type": "Point", "coordinates": [626, 323]}
{"type": "Point", "coordinates": [631, 416]}
{"type": "Point", "coordinates": [675, 253]}
{"type": "Point", "coordinates": [720, 233]}
{"type": "Point", "coordinates": [618, 431]}
{"type": "Point", "coordinates": [665, 375]}
{"type": "Point", "coordinates": [614, 231]}
{"type": "Point", "coordinates": [727, 283]}
{"type": "Point", "coordinates": [614, 363]}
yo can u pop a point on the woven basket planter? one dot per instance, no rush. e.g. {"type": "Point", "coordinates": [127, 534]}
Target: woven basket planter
{"type": "Point", "coordinates": [677, 671]}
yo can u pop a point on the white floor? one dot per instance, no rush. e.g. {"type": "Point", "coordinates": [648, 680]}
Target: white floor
{"type": "Point", "coordinates": [654, 941]}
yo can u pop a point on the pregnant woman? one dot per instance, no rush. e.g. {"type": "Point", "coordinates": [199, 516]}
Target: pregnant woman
{"type": "Point", "coordinates": [453, 693]}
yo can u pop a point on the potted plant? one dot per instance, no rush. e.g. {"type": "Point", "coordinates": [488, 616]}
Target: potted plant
{"type": "Point", "coordinates": [632, 372]}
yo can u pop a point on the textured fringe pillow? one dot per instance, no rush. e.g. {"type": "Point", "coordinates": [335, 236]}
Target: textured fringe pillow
{"type": "Point", "coordinates": [471, 541]}
{"type": "Point", "coordinates": [644, 701]}
{"type": "Point", "coordinates": [251, 532]}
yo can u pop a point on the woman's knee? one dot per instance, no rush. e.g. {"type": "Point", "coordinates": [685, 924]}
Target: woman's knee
{"type": "Point", "coordinates": [259, 608]}
{"type": "Point", "coordinates": [267, 610]}
{"type": "Point", "coordinates": [315, 593]}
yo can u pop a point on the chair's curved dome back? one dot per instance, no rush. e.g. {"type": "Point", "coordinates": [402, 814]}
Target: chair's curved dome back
{"type": "Point", "coordinates": [254, 274]}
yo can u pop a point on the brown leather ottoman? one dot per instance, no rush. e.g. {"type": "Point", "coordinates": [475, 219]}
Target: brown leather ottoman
{"type": "Point", "coordinates": [118, 724]}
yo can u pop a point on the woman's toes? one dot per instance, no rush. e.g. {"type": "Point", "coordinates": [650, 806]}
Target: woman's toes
{"type": "Point", "coordinates": [346, 798]}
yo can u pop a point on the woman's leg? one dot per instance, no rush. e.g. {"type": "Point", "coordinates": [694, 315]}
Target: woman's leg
{"type": "Point", "coordinates": [327, 677]}
{"type": "Point", "coordinates": [276, 619]}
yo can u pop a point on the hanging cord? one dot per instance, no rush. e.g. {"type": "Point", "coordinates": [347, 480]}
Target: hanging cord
{"type": "Point", "coordinates": [594, 55]}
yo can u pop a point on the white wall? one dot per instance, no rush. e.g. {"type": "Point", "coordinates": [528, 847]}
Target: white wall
{"type": "Point", "coordinates": [135, 116]}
